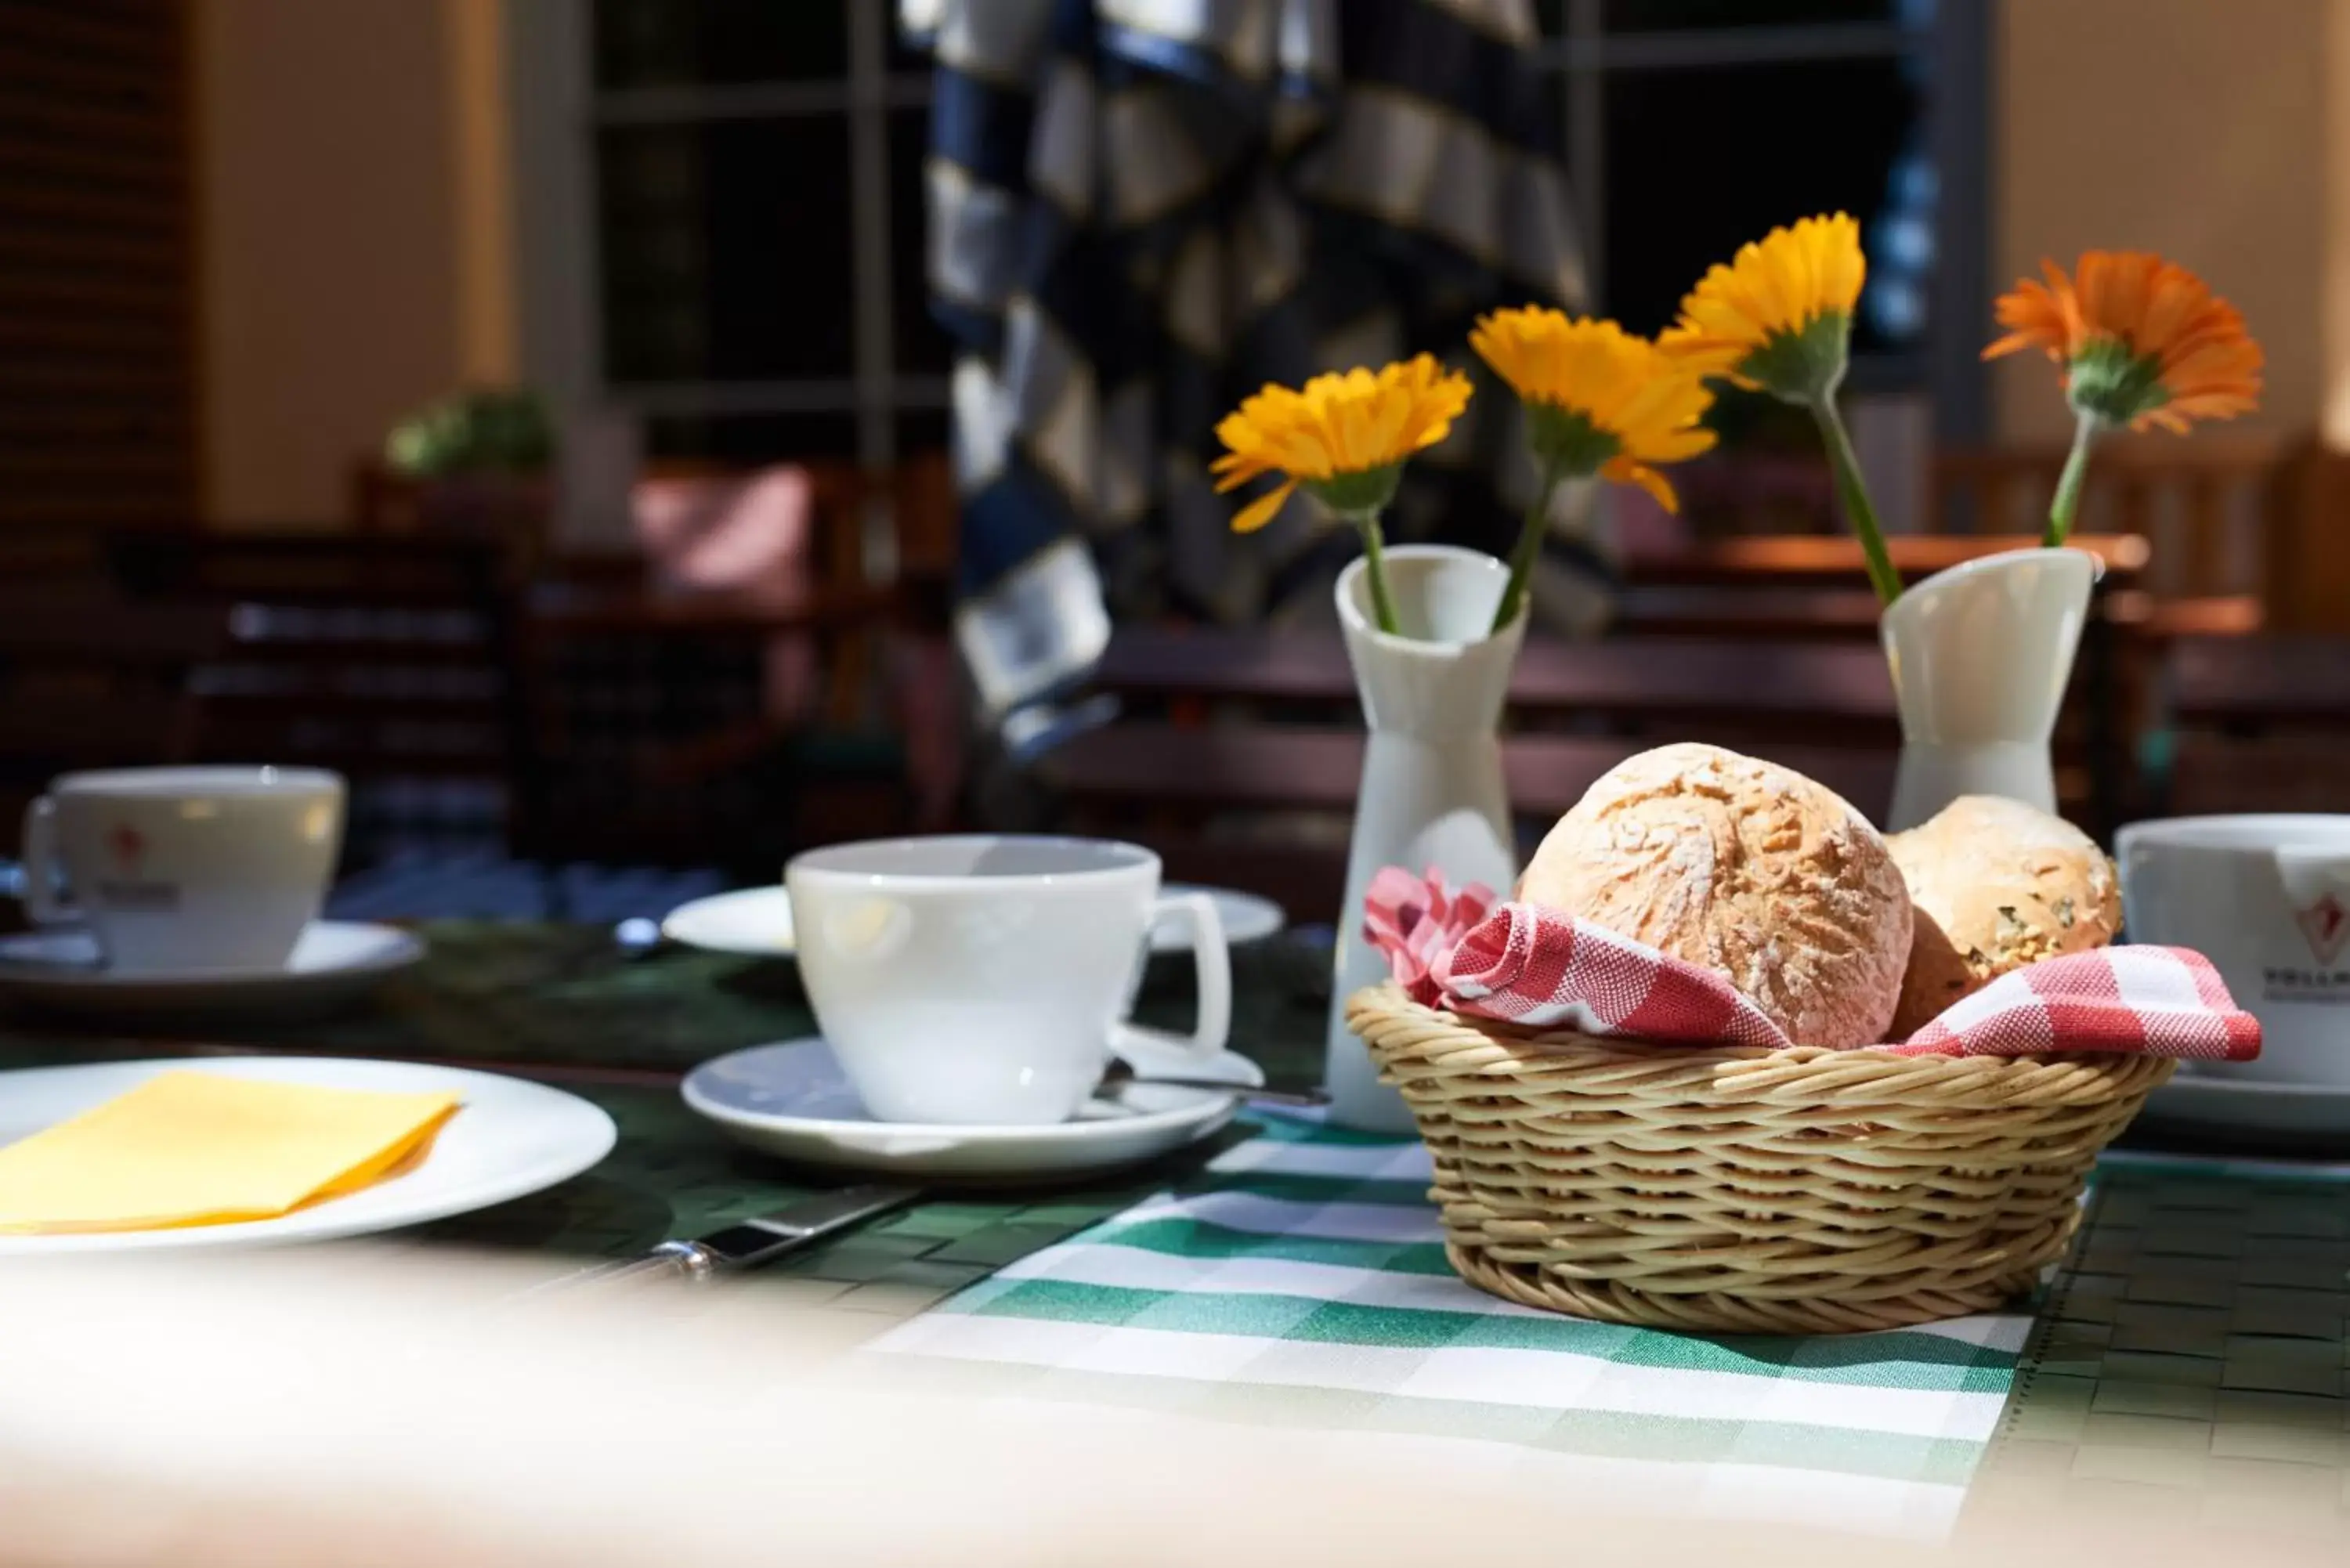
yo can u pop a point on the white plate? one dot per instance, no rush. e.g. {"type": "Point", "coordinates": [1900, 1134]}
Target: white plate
{"type": "Point", "coordinates": [793, 1100]}
{"type": "Point", "coordinates": [2206, 1102]}
{"type": "Point", "coordinates": [510, 1137]}
{"type": "Point", "coordinates": [757, 921]}
{"type": "Point", "coordinates": [334, 962]}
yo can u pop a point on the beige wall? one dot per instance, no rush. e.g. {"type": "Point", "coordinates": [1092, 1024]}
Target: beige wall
{"type": "Point", "coordinates": [2195, 127]}
{"type": "Point", "coordinates": [347, 161]}
{"type": "Point", "coordinates": [357, 212]}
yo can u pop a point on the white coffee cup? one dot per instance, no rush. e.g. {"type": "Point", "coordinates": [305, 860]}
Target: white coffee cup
{"type": "Point", "coordinates": [2267, 900]}
{"type": "Point", "coordinates": [185, 870]}
{"type": "Point", "coordinates": [983, 978]}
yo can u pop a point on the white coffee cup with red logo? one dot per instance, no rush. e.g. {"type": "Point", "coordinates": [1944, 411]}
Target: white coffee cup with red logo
{"type": "Point", "coordinates": [185, 870]}
{"type": "Point", "coordinates": [2267, 900]}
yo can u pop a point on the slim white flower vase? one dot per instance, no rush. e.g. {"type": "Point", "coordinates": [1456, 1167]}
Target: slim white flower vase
{"type": "Point", "coordinates": [1432, 792]}
{"type": "Point", "coordinates": [1981, 656]}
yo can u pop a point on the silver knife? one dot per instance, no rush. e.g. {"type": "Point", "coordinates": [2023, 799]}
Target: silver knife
{"type": "Point", "coordinates": [749, 1243]}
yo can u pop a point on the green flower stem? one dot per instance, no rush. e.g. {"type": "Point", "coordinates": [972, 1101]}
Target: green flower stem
{"type": "Point", "coordinates": [1366, 523]}
{"type": "Point", "coordinates": [2068, 503]}
{"type": "Point", "coordinates": [1854, 493]}
{"type": "Point", "coordinates": [1528, 549]}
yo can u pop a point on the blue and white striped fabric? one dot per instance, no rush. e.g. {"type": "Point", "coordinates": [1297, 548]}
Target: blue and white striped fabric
{"type": "Point", "coordinates": [1302, 1281]}
{"type": "Point", "coordinates": [1141, 210]}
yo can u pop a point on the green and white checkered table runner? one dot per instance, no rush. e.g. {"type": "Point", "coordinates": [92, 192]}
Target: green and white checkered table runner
{"type": "Point", "coordinates": [1301, 1281]}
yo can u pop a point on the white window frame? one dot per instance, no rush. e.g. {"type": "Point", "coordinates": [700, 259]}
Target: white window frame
{"type": "Point", "coordinates": [556, 110]}
{"type": "Point", "coordinates": [1587, 57]}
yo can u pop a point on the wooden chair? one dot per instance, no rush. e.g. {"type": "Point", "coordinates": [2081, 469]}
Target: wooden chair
{"type": "Point", "coordinates": [651, 712]}
{"type": "Point", "coordinates": [1191, 795]}
{"type": "Point", "coordinates": [2214, 512]}
{"type": "Point", "coordinates": [2208, 509]}
{"type": "Point", "coordinates": [1735, 494]}
{"type": "Point", "coordinates": [674, 703]}
{"type": "Point", "coordinates": [2308, 578]}
{"type": "Point", "coordinates": [874, 547]}
{"type": "Point", "coordinates": [87, 681]}
{"type": "Point", "coordinates": [386, 658]}
{"type": "Point", "coordinates": [1807, 561]}
{"type": "Point", "coordinates": [1809, 588]}
{"type": "Point", "coordinates": [1832, 698]}
{"type": "Point", "coordinates": [1826, 691]}
{"type": "Point", "coordinates": [514, 511]}
{"type": "Point", "coordinates": [2254, 723]}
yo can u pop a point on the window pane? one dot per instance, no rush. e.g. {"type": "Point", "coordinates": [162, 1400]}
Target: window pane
{"type": "Point", "coordinates": [748, 441]}
{"type": "Point", "coordinates": [1656, 16]}
{"type": "Point", "coordinates": [920, 431]}
{"type": "Point", "coordinates": [920, 345]}
{"type": "Point", "coordinates": [680, 43]}
{"type": "Point", "coordinates": [1836, 129]}
{"type": "Point", "coordinates": [904, 56]}
{"type": "Point", "coordinates": [726, 250]}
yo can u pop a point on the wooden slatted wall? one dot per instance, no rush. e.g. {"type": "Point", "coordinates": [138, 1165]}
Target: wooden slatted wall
{"type": "Point", "coordinates": [97, 270]}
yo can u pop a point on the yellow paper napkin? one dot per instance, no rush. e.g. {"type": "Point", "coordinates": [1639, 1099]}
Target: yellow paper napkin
{"type": "Point", "coordinates": [204, 1148]}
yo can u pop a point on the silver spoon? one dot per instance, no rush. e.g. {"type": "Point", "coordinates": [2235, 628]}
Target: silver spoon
{"type": "Point", "coordinates": [1121, 1074]}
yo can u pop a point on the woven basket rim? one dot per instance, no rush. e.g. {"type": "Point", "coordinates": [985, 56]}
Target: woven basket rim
{"type": "Point", "coordinates": [1560, 1046]}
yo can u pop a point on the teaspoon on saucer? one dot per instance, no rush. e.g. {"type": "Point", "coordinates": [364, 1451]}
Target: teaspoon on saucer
{"type": "Point", "coordinates": [1120, 1074]}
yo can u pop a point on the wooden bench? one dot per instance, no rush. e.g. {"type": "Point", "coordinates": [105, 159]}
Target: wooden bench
{"type": "Point", "coordinates": [1220, 767]}
{"type": "Point", "coordinates": [1834, 560]}
{"type": "Point", "coordinates": [89, 680]}
{"type": "Point", "coordinates": [2259, 723]}
{"type": "Point", "coordinates": [387, 657]}
{"type": "Point", "coordinates": [1814, 587]}
{"type": "Point", "coordinates": [1664, 679]}
{"type": "Point", "coordinates": [1169, 785]}
{"type": "Point", "coordinates": [2274, 680]}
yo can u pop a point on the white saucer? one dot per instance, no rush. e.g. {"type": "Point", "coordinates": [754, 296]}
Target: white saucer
{"type": "Point", "coordinates": [757, 921]}
{"type": "Point", "coordinates": [510, 1137]}
{"type": "Point", "coordinates": [792, 1099]}
{"type": "Point", "coordinates": [334, 962]}
{"type": "Point", "coordinates": [2208, 1103]}
{"type": "Point", "coordinates": [1246, 918]}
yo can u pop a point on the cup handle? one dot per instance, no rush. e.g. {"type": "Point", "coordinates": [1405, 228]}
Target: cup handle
{"type": "Point", "coordinates": [1211, 959]}
{"type": "Point", "coordinates": [42, 905]}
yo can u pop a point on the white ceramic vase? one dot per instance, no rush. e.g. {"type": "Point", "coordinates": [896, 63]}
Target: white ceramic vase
{"type": "Point", "coordinates": [1980, 656]}
{"type": "Point", "coordinates": [1432, 792]}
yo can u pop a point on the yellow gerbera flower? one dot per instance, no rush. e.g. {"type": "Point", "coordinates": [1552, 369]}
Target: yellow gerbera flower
{"type": "Point", "coordinates": [1778, 317]}
{"type": "Point", "coordinates": [1344, 437]}
{"type": "Point", "coordinates": [1598, 399]}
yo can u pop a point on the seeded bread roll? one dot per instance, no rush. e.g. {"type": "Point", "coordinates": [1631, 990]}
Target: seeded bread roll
{"type": "Point", "coordinates": [1748, 868]}
{"type": "Point", "coordinates": [1997, 885]}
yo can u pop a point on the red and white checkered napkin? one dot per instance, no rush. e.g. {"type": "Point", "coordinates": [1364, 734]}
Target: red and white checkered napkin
{"type": "Point", "coordinates": [1520, 964]}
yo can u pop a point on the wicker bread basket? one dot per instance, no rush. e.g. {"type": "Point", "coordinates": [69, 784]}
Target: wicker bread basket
{"type": "Point", "coordinates": [1802, 1190]}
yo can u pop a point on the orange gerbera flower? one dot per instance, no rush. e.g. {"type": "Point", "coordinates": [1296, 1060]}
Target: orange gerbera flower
{"type": "Point", "coordinates": [2143, 341]}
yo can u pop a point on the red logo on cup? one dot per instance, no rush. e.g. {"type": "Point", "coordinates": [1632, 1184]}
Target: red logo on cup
{"type": "Point", "coordinates": [129, 847]}
{"type": "Point", "coordinates": [2325, 925]}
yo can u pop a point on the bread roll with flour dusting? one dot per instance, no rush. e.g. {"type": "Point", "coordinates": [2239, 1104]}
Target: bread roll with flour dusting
{"type": "Point", "coordinates": [1748, 868]}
